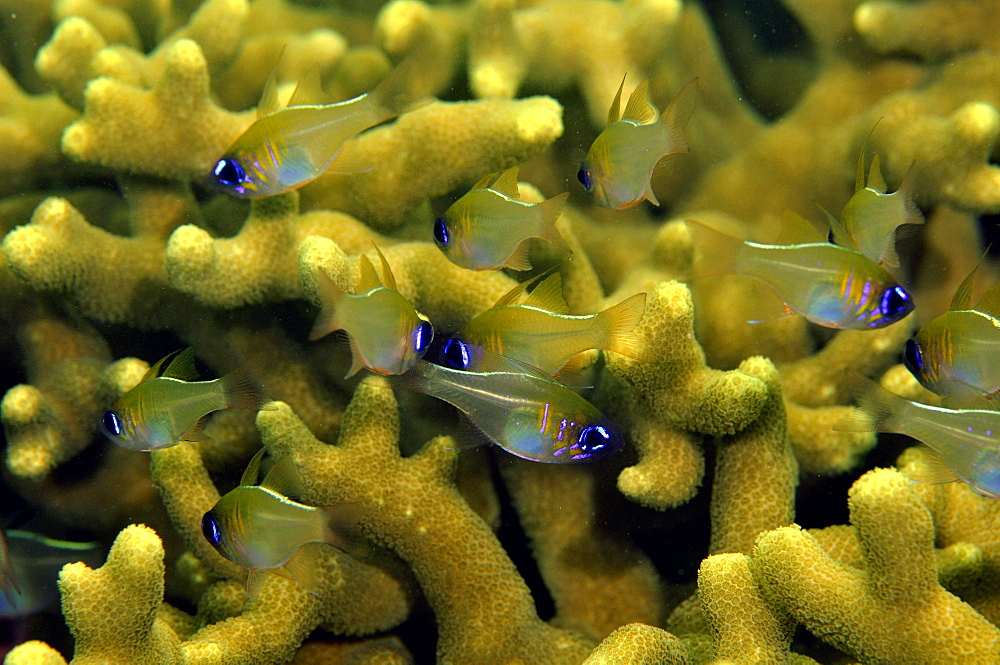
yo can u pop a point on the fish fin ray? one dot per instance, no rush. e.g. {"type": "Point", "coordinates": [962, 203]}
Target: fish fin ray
{"type": "Point", "coordinates": [638, 108]}
{"type": "Point", "coordinates": [614, 112]}
{"type": "Point", "coordinates": [677, 114]}
{"type": "Point", "coordinates": [181, 366]}
{"type": "Point", "coordinates": [549, 212]}
{"type": "Point", "coordinates": [519, 260]}
{"type": "Point", "coordinates": [242, 390]}
{"type": "Point", "coordinates": [156, 369]}
{"type": "Point", "coordinates": [932, 469]}
{"type": "Point", "coordinates": [341, 532]}
{"type": "Point", "coordinates": [962, 300]}
{"type": "Point", "coordinates": [388, 279]}
{"type": "Point", "coordinates": [250, 473]}
{"type": "Point", "coordinates": [617, 325]}
{"type": "Point", "coordinates": [548, 295]}
{"type": "Point", "coordinates": [506, 183]}
{"type": "Point", "coordinates": [484, 182]}
{"type": "Point", "coordinates": [283, 478]}
{"type": "Point", "coordinates": [329, 294]}
{"type": "Point", "coordinates": [368, 279]}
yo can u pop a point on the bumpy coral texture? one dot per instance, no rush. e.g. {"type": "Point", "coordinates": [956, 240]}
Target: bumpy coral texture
{"type": "Point", "coordinates": [686, 546]}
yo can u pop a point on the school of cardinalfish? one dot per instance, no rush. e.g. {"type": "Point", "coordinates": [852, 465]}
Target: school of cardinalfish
{"type": "Point", "coordinates": [511, 369]}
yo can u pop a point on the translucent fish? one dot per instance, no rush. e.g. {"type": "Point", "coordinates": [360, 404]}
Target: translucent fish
{"type": "Point", "coordinates": [955, 355]}
{"type": "Point", "coordinates": [521, 410]}
{"type": "Point", "coordinates": [260, 528]}
{"type": "Point", "coordinates": [965, 440]}
{"type": "Point", "coordinates": [31, 564]}
{"type": "Point", "coordinates": [387, 335]}
{"type": "Point", "coordinates": [168, 405]}
{"type": "Point", "coordinates": [869, 221]}
{"type": "Point", "coordinates": [487, 227]}
{"type": "Point", "coordinates": [539, 332]}
{"type": "Point", "coordinates": [831, 286]}
{"type": "Point", "coordinates": [286, 148]}
{"type": "Point", "coordinates": [618, 169]}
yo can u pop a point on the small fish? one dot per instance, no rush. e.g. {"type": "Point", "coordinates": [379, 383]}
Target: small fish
{"type": "Point", "coordinates": [955, 355]}
{"type": "Point", "coordinates": [521, 410]}
{"type": "Point", "coordinates": [618, 169]}
{"type": "Point", "coordinates": [487, 227]}
{"type": "Point", "coordinates": [168, 405]}
{"type": "Point", "coordinates": [288, 147]}
{"type": "Point", "coordinates": [31, 565]}
{"type": "Point", "coordinates": [869, 221]}
{"type": "Point", "coordinates": [260, 528]}
{"type": "Point", "coordinates": [387, 335]}
{"type": "Point", "coordinates": [539, 331]}
{"type": "Point", "coordinates": [831, 286]}
{"type": "Point", "coordinates": [964, 442]}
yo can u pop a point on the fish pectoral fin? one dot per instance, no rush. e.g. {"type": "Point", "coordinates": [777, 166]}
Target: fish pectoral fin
{"type": "Point", "coordinates": [519, 260]}
{"type": "Point", "coordinates": [350, 160]}
{"type": "Point", "coordinates": [932, 469]}
{"type": "Point", "coordinates": [767, 310]}
{"type": "Point", "coordinates": [284, 479]}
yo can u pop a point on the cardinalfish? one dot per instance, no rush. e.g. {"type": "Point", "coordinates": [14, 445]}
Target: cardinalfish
{"type": "Point", "coordinates": [260, 528]}
{"type": "Point", "coordinates": [539, 331]}
{"type": "Point", "coordinates": [831, 286]}
{"type": "Point", "coordinates": [290, 146]}
{"type": "Point", "coordinates": [169, 405]}
{"type": "Point", "coordinates": [963, 443]}
{"type": "Point", "coordinates": [955, 354]}
{"type": "Point", "coordinates": [869, 221]}
{"type": "Point", "coordinates": [387, 335]}
{"type": "Point", "coordinates": [29, 570]}
{"type": "Point", "coordinates": [619, 167]}
{"type": "Point", "coordinates": [488, 226]}
{"type": "Point", "coordinates": [523, 411]}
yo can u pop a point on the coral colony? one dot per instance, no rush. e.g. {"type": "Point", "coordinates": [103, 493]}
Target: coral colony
{"type": "Point", "coordinates": [170, 178]}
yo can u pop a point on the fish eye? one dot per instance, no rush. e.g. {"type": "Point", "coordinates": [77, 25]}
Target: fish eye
{"type": "Point", "coordinates": [441, 232]}
{"type": "Point", "coordinates": [896, 303]}
{"type": "Point", "coordinates": [422, 336]}
{"type": "Point", "coordinates": [583, 175]}
{"type": "Point", "coordinates": [228, 172]}
{"type": "Point", "coordinates": [593, 438]}
{"type": "Point", "coordinates": [912, 357]}
{"type": "Point", "coordinates": [456, 354]}
{"type": "Point", "coordinates": [111, 424]}
{"type": "Point", "coordinates": [210, 529]}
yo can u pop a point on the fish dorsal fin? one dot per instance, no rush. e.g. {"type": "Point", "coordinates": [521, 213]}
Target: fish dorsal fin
{"type": "Point", "coordinates": [269, 102]}
{"type": "Point", "coordinates": [513, 297]}
{"type": "Point", "coordinates": [309, 90]}
{"type": "Point", "coordinates": [250, 474]}
{"type": "Point", "coordinates": [875, 179]}
{"type": "Point", "coordinates": [485, 181]}
{"type": "Point", "coordinates": [962, 300]}
{"type": "Point", "coordinates": [794, 229]}
{"type": "Point", "coordinates": [387, 277]}
{"type": "Point", "coordinates": [491, 362]}
{"type": "Point", "coordinates": [615, 110]}
{"type": "Point", "coordinates": [548, 295]}
{"type": "Point", "coordinates": [932, 469]}
{"type": "Point", "coordinates": [157, 367]}
{"type": "Point", "coordinates": [182, 366]}
{"type": "Point", "coordinates": [284, 479]}
{"type": "Point", "coordinates": [989, 304]}
{"type": "Point", "coordinates": [859, 177]}
{"type": "Point", "coordinates": [838, 233]}
{"type": "Point", "coordinates": [368, 278]}
{"type": "Point", "coordinates": [506, 183]}
{"type": "Point", "coordinates": [638, 108]}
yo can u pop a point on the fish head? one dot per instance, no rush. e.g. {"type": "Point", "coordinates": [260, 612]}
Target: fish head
{"type": "Point", "coordinates": [416, 343]}
{"type": "Point", "coordinates": [222, 529]}
{"type": "Point", "coordinates": [894, 305]}
{"type": "Point", "coordinates": [241, 175]}
{"type": "Point", "coordinates": [596, 440]}
{"type": "Point", "coordinates": [592, 179]}
{"type": "Point", "coordinates": [451, 235]}
{"type": "Point", "coordinates": [122, 429]}
{"type": "Point", "coordinates": [913, 359]}
{"type": "Point", "coordinates": [458, 354]}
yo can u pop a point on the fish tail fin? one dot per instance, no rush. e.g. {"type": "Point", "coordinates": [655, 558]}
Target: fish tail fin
{"type": "Point", "coordinates": [878, 409]}
{"type": "Point", "coordinates": [339, 530]}
{"type": "Point", "coordinates": [329, 294]}
{"type": "Point", "coordinates": [242, 391]}
{"type": "Point", "coordinates": [549, 212]}
{"type": "Point", "coordinates": [717, 253]}
{"type": "Point", "coordinates": [678, 113]}
{"type": "Point", "coordinates": [617, 324]}
{"type": "Point", "coordinates": [392, 96]}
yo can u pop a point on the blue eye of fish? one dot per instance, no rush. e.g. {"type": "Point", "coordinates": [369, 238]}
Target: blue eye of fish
{"type": "Point", "coordinates": [228, 172]}
{"type": "Point", "coordinates": [912, 357]}
{"type": "Point", "coordinates": [441, 232]}
{"type": "Point", "coordinates": [210, 529]}
{"type": "Point", "coordinates": [111, 424]}
{"type": "Point", "coordinates": [456, 354]}
{"type": "Point", "coordinates": [422, 336]}
{"type": "Point", "coordinates": [584, 177]}
{"type": "Point", "coordinates": [593, 438]}
{"type": "Point", "coordinates": [895, 303]}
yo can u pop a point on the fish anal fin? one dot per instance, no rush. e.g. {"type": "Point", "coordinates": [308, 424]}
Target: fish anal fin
{"type": "Point", "coordinates": [506, 183]}
{"type": "Point", "coordinates": [548, 295]}
{"type": "Point", "coordinates": [614, 112]}
{"type": "Point", "coordinates": [617, 323]}
{"type": "Point", "coordinates": [388, 279]}
{"type": "Point", "coordinates": [357, 360]}
{"type": "Point", "coordinates": [648, 192]}
{"type": "Point", "coordinates": [677, 114]}
{"type": "Point", "coordinates": [962, 300]}
{"type": "Point", "coordinates": [181, 366]}
{"type": "Point", "coordinates": [931, 469]}
{"type": "Point", "coordinates": [548, 213]}
{"type": "Point", "coordinates": [519, 260]}
{"type": "Point", "coordinates": [638, 108]}
{"type": "Point", "coordinates": [329, 294]}
{"type": "Point", "coordinates": [250, 474]}
{"type": "Point", "coordinates": [303, 568]}
{"type": "Point", "coordinates": [341, 531]}
{"type": "Point", "coordinates": [196, 432]}
{"type": "Point", "coordinates": [368, 279]}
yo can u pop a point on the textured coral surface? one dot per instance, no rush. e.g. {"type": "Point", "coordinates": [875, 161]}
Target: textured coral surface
{"type": "Point", "coordinates": [739, 525]}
